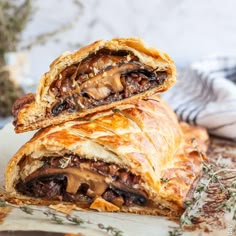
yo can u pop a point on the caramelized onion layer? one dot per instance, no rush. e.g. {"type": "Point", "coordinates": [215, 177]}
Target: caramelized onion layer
{"type": "Point", "coordinates": [81, 181]}
{"type": "Point", "coordinates": [101, 78]}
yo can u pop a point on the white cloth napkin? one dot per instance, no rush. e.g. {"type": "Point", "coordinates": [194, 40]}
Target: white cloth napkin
{"type": "Point", "coordinates": [205, 95]}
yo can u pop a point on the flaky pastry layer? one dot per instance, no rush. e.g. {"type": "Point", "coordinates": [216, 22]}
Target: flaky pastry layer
{"type": "Point", "coordinates": [97, 77]}
{"type": "Point", "coordinates": [143, 139]}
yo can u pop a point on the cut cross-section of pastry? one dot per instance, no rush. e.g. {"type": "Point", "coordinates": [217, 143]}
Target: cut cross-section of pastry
{"type": "Point", "coordinates": [97, 77]}
{"type": "Point", "coordinates": [133, 158]}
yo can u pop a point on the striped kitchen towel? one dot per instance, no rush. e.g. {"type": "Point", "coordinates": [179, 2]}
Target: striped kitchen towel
{"type": "Point", "coordinates": [205, 95]}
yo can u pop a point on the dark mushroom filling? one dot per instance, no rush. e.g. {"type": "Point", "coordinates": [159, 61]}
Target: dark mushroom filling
{"type": "Point", "coordinates": [74, 179]}
{"type": "Point", "coordinates": [103, 77]}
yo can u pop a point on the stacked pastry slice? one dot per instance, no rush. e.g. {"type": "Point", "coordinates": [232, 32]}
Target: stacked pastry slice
{"type": "Point", "coordinates": [109, 143]}
{"type": "Point", "coordinates": [97, 77]}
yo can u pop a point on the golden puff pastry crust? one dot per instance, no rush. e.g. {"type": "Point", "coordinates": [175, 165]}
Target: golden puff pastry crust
{"type": "Point", "coordinates": [137, 155]}
{"type": "Point", "coordinates": [96, 77]}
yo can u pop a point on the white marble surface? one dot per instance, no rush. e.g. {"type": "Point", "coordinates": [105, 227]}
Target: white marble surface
{"type": "Point", "coordinates": [187, 29]}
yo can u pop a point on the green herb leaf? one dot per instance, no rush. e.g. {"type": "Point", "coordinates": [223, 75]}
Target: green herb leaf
{"type": "Point", "coordinates": [151, 99]}
{"type": "Point", "coordinates": [75, 220]}
{"type": "Point", "coordinates": [3, 203]}
{"type": "Point", "coordinates": [111, 230]}
{"type": "Point", "coordinates": [175, 232]}
{"type": "Point", "coordinates": [26, 209]}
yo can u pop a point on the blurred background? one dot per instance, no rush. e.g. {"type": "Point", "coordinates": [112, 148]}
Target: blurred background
{"type": "Point", "coordinates": [33, 33]}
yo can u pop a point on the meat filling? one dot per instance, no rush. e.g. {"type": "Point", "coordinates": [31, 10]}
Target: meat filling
{"type": "Point", "coordinates": [103, 77]}
{"type": "Point", "coordinates": [74, 179]}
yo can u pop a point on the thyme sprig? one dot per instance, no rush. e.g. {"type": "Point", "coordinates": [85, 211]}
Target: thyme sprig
{"type": "Point", "coordinates": [216, 192]}
{"type": "Point", "coordinates": [151, 99]}
{"type": "Point", "coordinates": [60, 218]}
{"type": "Point", "coordinates": [111, 230]}
{"type": "Point", "coordinates": [176, 232]}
